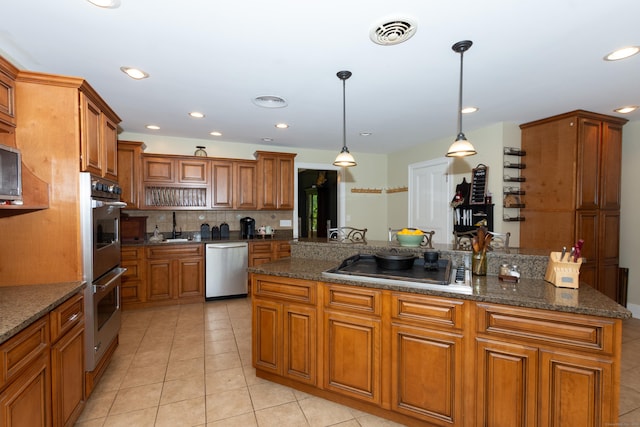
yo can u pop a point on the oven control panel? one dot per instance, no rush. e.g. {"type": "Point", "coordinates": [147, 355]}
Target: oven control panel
{"type": "Point", "coordinates": [105, 189]}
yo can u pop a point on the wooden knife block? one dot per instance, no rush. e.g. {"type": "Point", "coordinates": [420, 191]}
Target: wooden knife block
{"type": "Point", "coordinates": [563, 274]}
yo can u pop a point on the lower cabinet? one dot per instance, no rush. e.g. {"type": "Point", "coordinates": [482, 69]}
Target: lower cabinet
{"type": "Point", "coordinates": [42, 370]}
{"type": "Point", "coordinates": [436, 361]}
{"type": "Point", "coordinates": [263, 251]}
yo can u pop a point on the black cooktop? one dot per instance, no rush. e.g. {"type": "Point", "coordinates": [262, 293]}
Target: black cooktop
{"type": "Point", "coordinates": [365, 265]}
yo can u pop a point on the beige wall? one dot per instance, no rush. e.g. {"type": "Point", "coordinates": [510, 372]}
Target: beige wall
{"type": "Point", "coordinates": [629, 229]}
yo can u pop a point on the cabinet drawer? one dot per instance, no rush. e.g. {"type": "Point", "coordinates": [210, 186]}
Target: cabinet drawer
{"type": "Point", "coordinates": [66, 316]}
{"type": "Point", "coordinates": [283, 249]}
{"type": "Point", "coordinates": [18, 353]}
{"type": "Point", "coordinates": [134, 270]}
{"type": "Point", "coordinates": [262, 247]}
{"type": "Point", "coordinates": [433, 310]}
{"type": "Point", "coordinates": [284, 288]}
{"type": "Point", "coordinates": [174, 251]}
{"type": "Point", "coordinates": [131, 253]}
{"type": "Point", "coordinates": [354, 299]}
{"type": "Point", "coordinates": [557, 329]}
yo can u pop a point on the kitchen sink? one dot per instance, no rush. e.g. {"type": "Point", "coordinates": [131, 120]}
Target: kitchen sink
{"type": "Point", "coordinates": [175, 240]}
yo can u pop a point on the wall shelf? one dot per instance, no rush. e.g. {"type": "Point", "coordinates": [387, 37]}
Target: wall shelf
{"type": "Point", "coordinates": [513, 166]}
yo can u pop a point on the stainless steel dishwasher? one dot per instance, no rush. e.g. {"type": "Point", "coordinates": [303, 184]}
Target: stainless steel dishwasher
{"type": "Point", "coordinates": [226, 270]}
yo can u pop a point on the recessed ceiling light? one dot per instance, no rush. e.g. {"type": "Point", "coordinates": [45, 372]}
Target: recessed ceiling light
{"type": "Point", "coordinates": [196, 114]}
{"type": "Point", "coordinates": [107, 4]}
{"type": "Point", "coordinates": [282, 125]}
{"type": "Point", "coordinates": [623, 53]}
{"type": "Point", "coordinates": [627, 109]}
{"type": "Point", "coordinates": [134, 73]}
{"type": "Point", "coordinates": [153, 127]}
{"type": "Point", "coordinates": [267, 139]}
{"type": "Point", "coordinates": [469, 110]}
{"type": "Point", "coordinates": [269, 101]}
{"type": "Point", "coordinates": [365, 134]}
{"type": "Point", "coordinates": [215, 133]}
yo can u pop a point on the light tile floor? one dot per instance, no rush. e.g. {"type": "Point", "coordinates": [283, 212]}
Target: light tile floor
{"type": "Point", "coordinates": [190, 365]}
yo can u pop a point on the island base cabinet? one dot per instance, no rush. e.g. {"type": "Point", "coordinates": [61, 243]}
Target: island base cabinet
{"type": "Point", "coordinates": [284, 341]}
{"type": "Point", "coordinates": [426, 376]}
{"type": "Point", "coordinates": [506, 378]}
{"type": "Point", "coordinates": [26, 401]}
{"type": "Point", "coordinates": [573, 390]}
{"type": "Point", "coordinates": [352, 356]}
{"type": "Point", "coordinates": [67, 366]}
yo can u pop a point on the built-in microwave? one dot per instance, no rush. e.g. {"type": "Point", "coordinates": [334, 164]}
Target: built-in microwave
{"type": "Point", "coordinates": [10, 173]}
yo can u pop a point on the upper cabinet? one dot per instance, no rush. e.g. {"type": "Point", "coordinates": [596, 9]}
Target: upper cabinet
{"type": "Point", "coordinates": [275, 180]}
{"type": "Point", "coordinates": [129, 158]}
{"type": "Point", "coordinates": [234, 184]}
{"type": "Point", "coordinates": [7, 96]}
{"type": "Point", "coordinates": [98, 137]}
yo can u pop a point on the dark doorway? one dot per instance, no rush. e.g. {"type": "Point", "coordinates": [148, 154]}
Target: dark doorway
{"type": "Point", "coordinates": [317, 201]}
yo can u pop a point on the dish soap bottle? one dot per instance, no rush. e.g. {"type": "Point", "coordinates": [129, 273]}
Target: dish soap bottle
{"type": "Point", "coordinates": [157, 237]}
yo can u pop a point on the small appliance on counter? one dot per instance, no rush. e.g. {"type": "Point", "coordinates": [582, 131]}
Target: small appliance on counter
{"type": "Point", "coordinates": [215, 233]}
{"type": "Point", "coordinates": [205, 232]}
{"type": "Point", "coordinates": [224, 230]}
{"type": "Point", "coordinates": [247, 228]}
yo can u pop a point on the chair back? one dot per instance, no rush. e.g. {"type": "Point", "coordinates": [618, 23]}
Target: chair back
{"type": "Point", "coordinates": [347, 235]}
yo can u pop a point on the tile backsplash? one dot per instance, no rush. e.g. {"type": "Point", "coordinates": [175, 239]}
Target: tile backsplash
{"type": "Point", "coordinates": [190, 221]}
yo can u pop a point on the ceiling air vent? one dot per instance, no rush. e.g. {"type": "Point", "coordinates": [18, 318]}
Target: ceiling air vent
{"type": "Point", "coordinates": [269, 101]}
{"type": "Point", "coordinates": [393, 31]}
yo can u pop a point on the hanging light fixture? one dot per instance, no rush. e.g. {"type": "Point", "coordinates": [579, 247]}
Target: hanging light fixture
{"type": "Point", "coordinates": [344, 159]}
{"type": "Point", "coordinates": [461, 147]}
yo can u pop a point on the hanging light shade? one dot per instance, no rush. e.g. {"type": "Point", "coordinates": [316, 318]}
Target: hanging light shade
{"type": "Point", "coordinates": [344, 159]}
{"type": "Point", "coordinates": [461, 147]}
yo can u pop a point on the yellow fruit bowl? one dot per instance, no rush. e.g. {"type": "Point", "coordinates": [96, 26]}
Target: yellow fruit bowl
{"type": "Point", "coordinates": [410, 240]}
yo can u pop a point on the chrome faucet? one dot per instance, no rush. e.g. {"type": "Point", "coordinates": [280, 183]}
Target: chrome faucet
{"type": "Point", "coordinates": [175, 233]}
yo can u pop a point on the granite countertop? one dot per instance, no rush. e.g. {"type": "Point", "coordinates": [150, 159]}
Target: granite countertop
{"type": "Point", "coordinates": [204, 242]}
{"type": "Point", "coordinates": [530, 293]}
{"type": "Point", "coordinates": [20, 306]}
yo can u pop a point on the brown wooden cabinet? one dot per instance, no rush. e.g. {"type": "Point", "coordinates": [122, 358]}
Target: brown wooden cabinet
{"type": "Point", "coordinates": [175, 273]}
{"type": "Point", "coordinates": [67, 361]}
{"type": "Point", "coordinates": [133, 285]}
{"type": "Point", "coordinates": [438, 361]}
{"type": "Point", "coordinates": [233, 184]}
{"type": "Point", "coordinates": [263, 251]}
{"type": "Point", "coordinates": [573, 190]}
{"type": "Point", "coordinates": [98, 138]}
{"type": "Point", "coordinates": [129, 163]}
{"type": "Point", "coordinates": [25, 378]}
{"type": "Point", "coordinates": [285, 323]}
{"type": "Point", "coordinates": [7, 96]}
{"type": "Point", "coordinates": [275, 180]}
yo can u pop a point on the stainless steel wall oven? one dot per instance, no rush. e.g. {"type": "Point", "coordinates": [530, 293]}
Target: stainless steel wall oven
{"type": "Point", "coordinates": [100, 224]}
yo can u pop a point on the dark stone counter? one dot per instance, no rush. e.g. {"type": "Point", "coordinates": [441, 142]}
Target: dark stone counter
{"type": "Point", "coordinates": [20, 306]}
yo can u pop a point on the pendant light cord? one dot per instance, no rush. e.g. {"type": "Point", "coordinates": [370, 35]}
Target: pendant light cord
{"type": "Point", "coordinates": [460, 96]}
{"type": "Point", "coordinates": [344, 115]}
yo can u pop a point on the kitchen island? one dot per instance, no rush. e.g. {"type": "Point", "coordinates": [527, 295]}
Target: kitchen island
{"type": "Point", "coordinates": [503, 354]}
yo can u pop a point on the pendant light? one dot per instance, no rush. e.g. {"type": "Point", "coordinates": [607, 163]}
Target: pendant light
{"type": "Point", "coordinates": [461, 147]}
{"type": "Point", "coordinates": [344, 159]}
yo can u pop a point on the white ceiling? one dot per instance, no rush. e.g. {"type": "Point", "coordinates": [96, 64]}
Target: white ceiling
{"type": "Point", "coordinates": [530, 59]}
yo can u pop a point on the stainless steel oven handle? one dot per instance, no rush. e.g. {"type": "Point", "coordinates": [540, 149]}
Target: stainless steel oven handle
{"type": "Point", "coordinates": [103, 288]}
{"type": "Point", "coordinates": [116, 204]}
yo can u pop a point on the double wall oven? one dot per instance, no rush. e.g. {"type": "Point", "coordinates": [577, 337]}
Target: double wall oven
{"type": "Point", "coordinates": [100, 224]}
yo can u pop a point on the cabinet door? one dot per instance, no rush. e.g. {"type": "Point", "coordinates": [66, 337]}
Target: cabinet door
{"type": "Point", "coordinates": [245, 189]}
{"type": "Point", "coordinates": [427, 374]}
{"type": "Point", "coordinates": [133, 283]}
{"type": "Point", "coordinates": [589, 142]}
{"type": "Point", "coordinates": [572, 389]}
{"type": "Point", "coordinates": [300, 349]}
{"type": "Point", "coordinates": [285, 175]}
{"type": "Point", "coordinates": [193, 171]}
{"type": "Point", "coordinates": [268, 182]}
{"type": "Point", "coordinates": [587, 228]}
{"type": "Point", "coordinates": [189, 278]}
{"type": "Point", "coordinates": [267, 336]}
{"type": "Point", "coordinates": [222, 184]}
{"type": "Point", "coordinates": [158, 169]}
{"type": "Point", "coordinates": [25, 402]}
{"type": "Point", "coordinates": [67, 372]}
{"type": "Point", "coordinates": [7, 100]}
{"type": "Point", "coordinates": [506, 384]}
{"type": "Point", "coordinates": [610, 163]}
{"type": "Point", "coordinates": [128, 169]}
{"type": "Point", "coordinates": [159, 280]}
{"type": "Point", "coordinates": [109, 141]}
{"type": "Point", "coordinates": [91, 128]}
{"type": "Point", "coordinates": [352, 356]}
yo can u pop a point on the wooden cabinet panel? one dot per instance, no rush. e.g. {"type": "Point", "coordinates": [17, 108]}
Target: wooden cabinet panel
{"type": "Point", "coordinates": [263, 251]}
{"type": "Point", "coordinates": [284, 288]}
{"type": "Point", "coordinates": [275, 180]}
{"type": "Point", "coordinates": [245, 188]}
{"type": "Point", "coordinates": [547, 229]}
{"type": "Point", "coordinates": [300, 343]}
{"type": "Point", "coordinates": [190, 278]}
{"type": "Point", "coordinates": [129, 164]}
{"type": "Point", "coordinates": [158, 169]}
{"type": "Point", "coordinates": [427, 374]}
{"type": "Point", "coordinates": [572, 389]}
{"type": "Point", "coordinates": [222, 184]}
{"type": "Point", "coordinates": [352, 365]}
{"type": "Point", "coordinates": [133, 284]}
{"type": "Point", "coordinates": [267, 336]}
{"type": "Point", "coordinates": [434, 311]}
{"type": "Point", "coordinates": [66, 316]}
{"type": "Point", "coordinates": [20, 351]}
{"type": "Point", "coordinates": [174, 272]}
{"type": "Point", "coordinates": [26, 402]}
{"type": "Point", "coordinates": [507, 384]}
{"type": "Point", "coordinates": [358, 300]}
{"type": "Point", "coordinates": [193, 171]}
{"type": "Point", "coordinates": [67, 371]}
{"type": "Point", "coordinates": [109, 139]}
{"type": "Point", "coordinates": [7, 96]}
{"type": "Point", "coordinates": [285, 183]}
{"type": "Point", "coordinates": [160, 277]}
{"type": "Point", "coordinates": [611, 159]}
{"type": "Point", "coordinates": [590, 137]}
{"type": "Point", "coordinates": [90, 136]}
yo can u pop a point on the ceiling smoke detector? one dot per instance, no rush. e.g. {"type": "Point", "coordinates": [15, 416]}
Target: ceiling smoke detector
{"type": "Point", "coordinates": [269, 101]}
{"type": "Point", "coordinates": [393, 31]}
